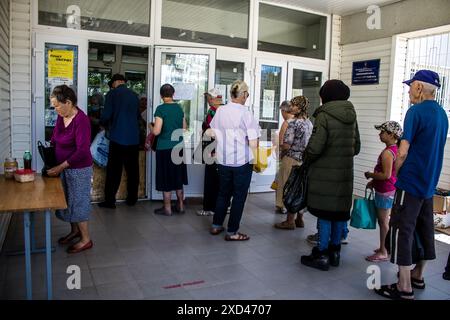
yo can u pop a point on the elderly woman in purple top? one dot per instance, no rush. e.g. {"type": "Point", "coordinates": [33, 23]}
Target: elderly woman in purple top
{"type": "Point", "coordinates": [72, 137]}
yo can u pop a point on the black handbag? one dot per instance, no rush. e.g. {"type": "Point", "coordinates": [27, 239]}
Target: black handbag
{"type": "Point", "coordinates": [294, 192]}
{"type": "Point", "coordinates": [47, 152]}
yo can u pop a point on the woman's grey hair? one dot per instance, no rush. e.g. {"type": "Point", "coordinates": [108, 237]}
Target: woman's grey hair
{"type": "Point", "coordinates": [286, 106]}
{"type": "Point", "coordinates": [238, 88]}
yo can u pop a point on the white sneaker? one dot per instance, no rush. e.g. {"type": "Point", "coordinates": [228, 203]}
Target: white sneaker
{"type": "Point", "coordinates": [204, 213]}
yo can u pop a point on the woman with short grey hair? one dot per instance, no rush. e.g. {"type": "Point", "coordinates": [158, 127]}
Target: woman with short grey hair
{"type": "Point", "coordinates": [236, 133]}
{"type": "Point", "coordinates": [72, 139]}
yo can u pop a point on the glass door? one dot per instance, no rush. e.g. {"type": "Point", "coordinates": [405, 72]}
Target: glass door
{"type": "Point", "coordinates": [226, 73]}
{"type": "Point", "coordinates": [270, 91]}
{"type": "Point", "coordinates": [306, 80]}
{"type": "Point", "coordinates": [56, 61]}
{"type": "Point", "coordinates": [191, 72]}
{"type": "Point", "coordinates": [106, 59]}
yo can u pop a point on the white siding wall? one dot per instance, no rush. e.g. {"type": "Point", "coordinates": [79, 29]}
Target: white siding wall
{"type": "Point", "coordinates": [336, 49]}
{"type": "Point", "coordinates": [398, 89]}
{"type": "Point", "coordinates": [370, 102]}
{"type": "Point", "coordinates": [444, 181]}
{"type": "Point", "coordinates": [21, 77]}
{"type": "Point", "coordinates": [5, 105]}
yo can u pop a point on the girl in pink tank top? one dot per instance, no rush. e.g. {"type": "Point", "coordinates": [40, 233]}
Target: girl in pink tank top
{"type": "Point", "coordinates": [383, 181]}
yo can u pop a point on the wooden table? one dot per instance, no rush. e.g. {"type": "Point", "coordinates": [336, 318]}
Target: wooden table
{"type": "Point", "coordinates": [41, 195]}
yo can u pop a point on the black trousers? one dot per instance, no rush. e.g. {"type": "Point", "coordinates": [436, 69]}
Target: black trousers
{"type": "Point", "coordinates": [411, 229]}
{"type": "Point", "coordinates": [122, 156]}
{"type": "Point", "coordinates": [211, 187]}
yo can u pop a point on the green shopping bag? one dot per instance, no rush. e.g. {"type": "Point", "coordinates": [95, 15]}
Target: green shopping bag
{"type": "Point", "coordinates": [364, 213]}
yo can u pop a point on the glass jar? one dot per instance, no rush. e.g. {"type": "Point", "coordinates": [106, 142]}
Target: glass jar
{"type": "Point", "coordinates": [10, 167]}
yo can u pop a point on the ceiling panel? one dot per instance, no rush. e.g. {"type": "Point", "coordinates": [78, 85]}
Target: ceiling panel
{"type": "Point", "coordinates": [340, 7]}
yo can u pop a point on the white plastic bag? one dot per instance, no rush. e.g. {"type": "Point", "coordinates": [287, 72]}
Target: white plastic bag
{"type": "Point", "coordinates": [100, 149]}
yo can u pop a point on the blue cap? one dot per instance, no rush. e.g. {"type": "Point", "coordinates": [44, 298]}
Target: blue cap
{"type": "Point", "coordinates": [427, 76]}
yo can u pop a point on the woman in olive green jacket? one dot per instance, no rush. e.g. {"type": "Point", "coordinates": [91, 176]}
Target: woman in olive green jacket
{"type": "Point", "coordinates": [329, 155]}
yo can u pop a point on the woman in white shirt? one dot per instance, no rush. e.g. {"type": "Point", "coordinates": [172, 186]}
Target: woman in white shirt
{"type": "Point", "coordinates": [236, 133]}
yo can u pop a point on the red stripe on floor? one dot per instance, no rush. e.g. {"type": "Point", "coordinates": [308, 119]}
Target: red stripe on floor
{"type": "Point", "coordinates": [184, 284]}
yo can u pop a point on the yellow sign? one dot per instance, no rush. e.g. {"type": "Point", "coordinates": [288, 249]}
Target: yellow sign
{"type": "Point", "coordinates": [60, 64]}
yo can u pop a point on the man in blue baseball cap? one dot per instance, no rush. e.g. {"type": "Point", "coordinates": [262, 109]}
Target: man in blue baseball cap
{"type": "Point", "coordinates": [425, 76]}
{"type": "Point", "coordinates": [418, 164]}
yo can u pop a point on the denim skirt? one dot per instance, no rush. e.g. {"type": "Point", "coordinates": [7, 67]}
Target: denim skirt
{"type": "Point", "coordinates": [77, 188]}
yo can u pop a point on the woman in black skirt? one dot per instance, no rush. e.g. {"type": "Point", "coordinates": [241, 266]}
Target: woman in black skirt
{"type": "Point", "coordinates": [171, 172]}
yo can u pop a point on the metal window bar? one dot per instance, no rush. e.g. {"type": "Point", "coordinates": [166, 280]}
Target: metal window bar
{"type": "Point", "coordinates": [432, 53]}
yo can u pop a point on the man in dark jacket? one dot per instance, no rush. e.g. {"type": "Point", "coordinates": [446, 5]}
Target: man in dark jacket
{"type": "Point", "coordinates": [121, 118]}
{"type": "Point", "coordinates": [329, 156]}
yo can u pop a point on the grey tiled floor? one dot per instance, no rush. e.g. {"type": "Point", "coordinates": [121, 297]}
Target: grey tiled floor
{"type": "Point", "coordinates": [138, 255]}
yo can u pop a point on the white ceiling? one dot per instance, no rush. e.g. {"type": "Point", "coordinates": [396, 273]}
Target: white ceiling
{"type": "Point", "coordinates": [339, 7]}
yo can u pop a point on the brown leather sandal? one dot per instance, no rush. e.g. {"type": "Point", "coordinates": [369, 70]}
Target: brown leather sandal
{"type": "Point", "coordinates": [285, 225]}
{"type": "Point", "coordinates": [237, 237]}
{"type": "Point", "coordinates": [216, 231]}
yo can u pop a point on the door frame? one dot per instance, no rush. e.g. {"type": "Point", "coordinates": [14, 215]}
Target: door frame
{"type": "Point", "coordinates": [254, 187]}
{"type": "Point", "coordinates": [149, 81]}
{"type": "Point", "coordinates": [158, 51]}
{"type": "Point", "coordinates": [38, 83]}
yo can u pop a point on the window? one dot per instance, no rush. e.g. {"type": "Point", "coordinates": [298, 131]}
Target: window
{"type": "Point", "coordinates": [61, 67]}
{"type": "Point", "coordinates": [291, 32]}
{"type": "Point", "coordinates": [226, 73]}
{"type": "Point", "coordinates": [307, 83]}
{"type": "Point", "coordinates": [432, 53]}
{"type": "Point", "coordinates": [217, 22]}
{"type": "Point", "coordinates": [270, 99]}
{"type": "Point", "coordinates": [106, 59]}
{"type": "Point", "coordinates": [188, 73]}
{"type": "Point", "coordinates": [114, 16]}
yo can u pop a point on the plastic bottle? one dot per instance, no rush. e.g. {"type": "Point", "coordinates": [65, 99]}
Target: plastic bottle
{"type": "Point", "coordinates": [27, 160]}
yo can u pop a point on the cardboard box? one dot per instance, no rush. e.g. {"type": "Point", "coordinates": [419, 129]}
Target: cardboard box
{"type": "Point", "coordinates": [442, 221]}
{"type": "Point", "coordinates": [441, 203]}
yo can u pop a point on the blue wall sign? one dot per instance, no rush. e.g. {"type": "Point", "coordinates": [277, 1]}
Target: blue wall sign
{"type": "Point", "coordinates": [366, 72]}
